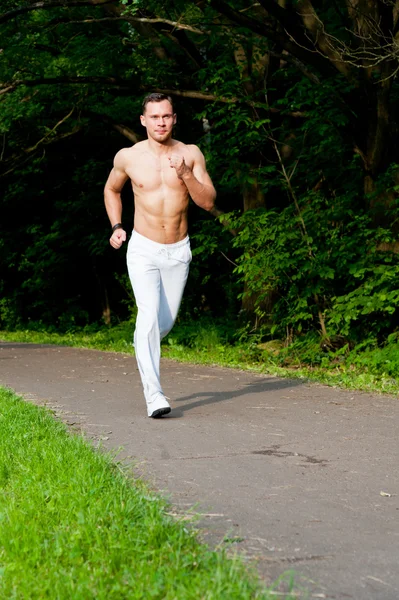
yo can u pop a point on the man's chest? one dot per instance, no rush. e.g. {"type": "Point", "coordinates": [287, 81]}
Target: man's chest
{"type": "Point", "coordinates": [150, 172]}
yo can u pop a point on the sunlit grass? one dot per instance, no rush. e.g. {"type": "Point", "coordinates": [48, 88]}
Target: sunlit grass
{"type": "Point", "coordinates": [371, 371]}
{"type": "Point", "coordinates": [74, 525]}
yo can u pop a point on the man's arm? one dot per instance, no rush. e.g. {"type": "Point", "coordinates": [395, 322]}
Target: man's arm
{"type": "Point", "coordinates": [112, 198]}
{"type": "Point", "coordinates": [197, 180]}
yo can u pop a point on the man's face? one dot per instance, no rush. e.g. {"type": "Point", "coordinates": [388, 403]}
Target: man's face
{"type": "Point", "coordinates": [159, 119]}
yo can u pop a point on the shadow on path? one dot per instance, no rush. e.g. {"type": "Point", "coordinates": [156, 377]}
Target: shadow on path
{"type": "Point", "coordinates": [212, 397]}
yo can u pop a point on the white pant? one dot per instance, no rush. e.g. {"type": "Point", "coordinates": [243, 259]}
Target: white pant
{"type": "Point", "coordinates": [158, 273]}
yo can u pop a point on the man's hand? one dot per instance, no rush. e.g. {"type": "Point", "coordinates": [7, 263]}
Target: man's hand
{"type": "Point", "coordinates": [117, 238]}
{"type": "Point", "coordinates": [177, 162]}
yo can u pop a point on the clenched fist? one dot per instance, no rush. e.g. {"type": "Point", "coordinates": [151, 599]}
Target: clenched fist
{"type": "Point", "coordinates": [177, 162]}
{"type": "Point", "coordinates": [117, 238]}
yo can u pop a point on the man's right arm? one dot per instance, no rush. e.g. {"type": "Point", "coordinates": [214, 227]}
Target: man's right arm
{"type": "Point", "coordinates": [112, 197]}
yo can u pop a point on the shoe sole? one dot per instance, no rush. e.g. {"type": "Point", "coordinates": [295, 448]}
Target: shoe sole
{"type": "Point", "coordinates": [160, 412]}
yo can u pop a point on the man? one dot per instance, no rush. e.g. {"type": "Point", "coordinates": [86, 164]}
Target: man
{"type": "Point", "coordinates": [164, 173]}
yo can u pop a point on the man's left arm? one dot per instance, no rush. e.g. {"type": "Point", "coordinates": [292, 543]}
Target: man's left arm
{"type": "Point", "coordinates": [196, 179]}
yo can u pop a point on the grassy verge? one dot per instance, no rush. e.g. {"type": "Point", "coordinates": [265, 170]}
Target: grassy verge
{"type": "Point", "coordinates": [73, 526]}
{"type": "Point", "coordinates": [372, 369]}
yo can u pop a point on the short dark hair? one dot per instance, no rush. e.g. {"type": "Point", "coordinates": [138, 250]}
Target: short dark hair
{"type": "Point", "coordinates": [155, 97]}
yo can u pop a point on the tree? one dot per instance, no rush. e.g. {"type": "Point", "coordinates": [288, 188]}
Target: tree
{"type": "Point", "coordinates": [293, 102]}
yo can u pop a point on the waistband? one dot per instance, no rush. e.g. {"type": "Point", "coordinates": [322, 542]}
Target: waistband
{"type": "Point", "coordinates": [144, 241]}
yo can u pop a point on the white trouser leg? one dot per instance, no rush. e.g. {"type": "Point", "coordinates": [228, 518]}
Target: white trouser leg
{"type": "Point", "coordinates": [158, 273]}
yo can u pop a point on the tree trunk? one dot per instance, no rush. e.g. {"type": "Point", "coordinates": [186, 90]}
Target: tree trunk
{"type": "Point", "coordinates": [106, 307]}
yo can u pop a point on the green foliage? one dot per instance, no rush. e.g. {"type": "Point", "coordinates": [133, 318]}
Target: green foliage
{"type": "Point", "coordinates": [286, 140]}
{"type": "Point", "coordinates": [318, 269]}
{"type": "Point", "coordinates": [374, 302]}
{"type": "Point", "coordinates": [211, 288]}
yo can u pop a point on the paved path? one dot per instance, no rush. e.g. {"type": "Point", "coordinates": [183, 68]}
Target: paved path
{"type": "Point", "coordinates": [291, 473]}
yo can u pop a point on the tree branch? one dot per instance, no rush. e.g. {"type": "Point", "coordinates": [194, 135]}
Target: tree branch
{"type": "Point", "coordinates": [43, 140]}
{"type": "Point", "coordinates": [28, 152]}
{"type": "Point", "coordinates": [68, 3]}
{"type": "Point", "coordinates": [128, 85]}
{"type": "Point", "coordinates": [173, 24]}
{"type": "Point", "coordinates": [321, 40]}
{"type": "Point", "coordinates": [302, 50]}
{"type": "Point", "coordinates": [122, 84]}
{"type": "Point", "coordinates": [127, 132]}
{"type": "Point", "coordinates": [11, 86]}
{"type": "Point", "coordinates": [11, 14]}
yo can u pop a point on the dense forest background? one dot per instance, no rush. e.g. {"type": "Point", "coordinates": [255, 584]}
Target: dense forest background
{"type": "Point", "coordinates": [295, 106]}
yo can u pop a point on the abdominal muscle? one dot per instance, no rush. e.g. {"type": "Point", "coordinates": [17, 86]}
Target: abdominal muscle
{"type": "Point", "coordinates": [161, 215]}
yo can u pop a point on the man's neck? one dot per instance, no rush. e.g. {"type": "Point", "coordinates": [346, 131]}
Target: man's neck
{"type": "Point", "coordinates": [160, 148]}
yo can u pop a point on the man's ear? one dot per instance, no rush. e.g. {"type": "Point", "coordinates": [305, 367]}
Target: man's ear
{"type": "Point", "coordinates": [174, 119]}
{"type": "Point", "coordinates": [142, 120]}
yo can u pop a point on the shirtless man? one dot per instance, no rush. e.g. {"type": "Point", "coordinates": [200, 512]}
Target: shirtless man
{"type": "Point", "coordinates": [164, 173]}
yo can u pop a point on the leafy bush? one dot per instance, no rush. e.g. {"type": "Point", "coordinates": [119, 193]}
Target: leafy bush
{"type": "Point", "coordinates": [321, 266]}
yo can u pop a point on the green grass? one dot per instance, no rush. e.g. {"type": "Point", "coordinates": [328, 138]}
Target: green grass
{"type": "Point", "coordinates": [74, 525]}
{"type": "Point", "coordinates": [369, 369]}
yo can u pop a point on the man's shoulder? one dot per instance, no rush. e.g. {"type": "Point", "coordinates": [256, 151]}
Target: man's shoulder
{"type": "Point", "coordinates": [191, 149]}
{"type": "Point", "coordinates": [138, 146]}
{"type": "Point", "coordinates": [124, 155]}
{"type": "Point", "coordinates": [196, 153]}
{"type": "Point", "coordinates": [130, 150]}
{"type": "Point", "coordinates": [183, 145]}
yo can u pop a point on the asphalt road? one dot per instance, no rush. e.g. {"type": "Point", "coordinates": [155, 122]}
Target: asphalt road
{"type": "Point", "coordinates": [297, 477]}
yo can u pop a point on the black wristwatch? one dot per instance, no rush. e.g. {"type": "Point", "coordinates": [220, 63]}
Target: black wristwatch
{"type": "Point", "coordinates": [117, 226]}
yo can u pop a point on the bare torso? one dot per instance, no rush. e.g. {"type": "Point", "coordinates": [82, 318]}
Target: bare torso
{"type": "Point", "coordinates": [161, 198]}
{"type": "Point", "coordinates": [164, 174]}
